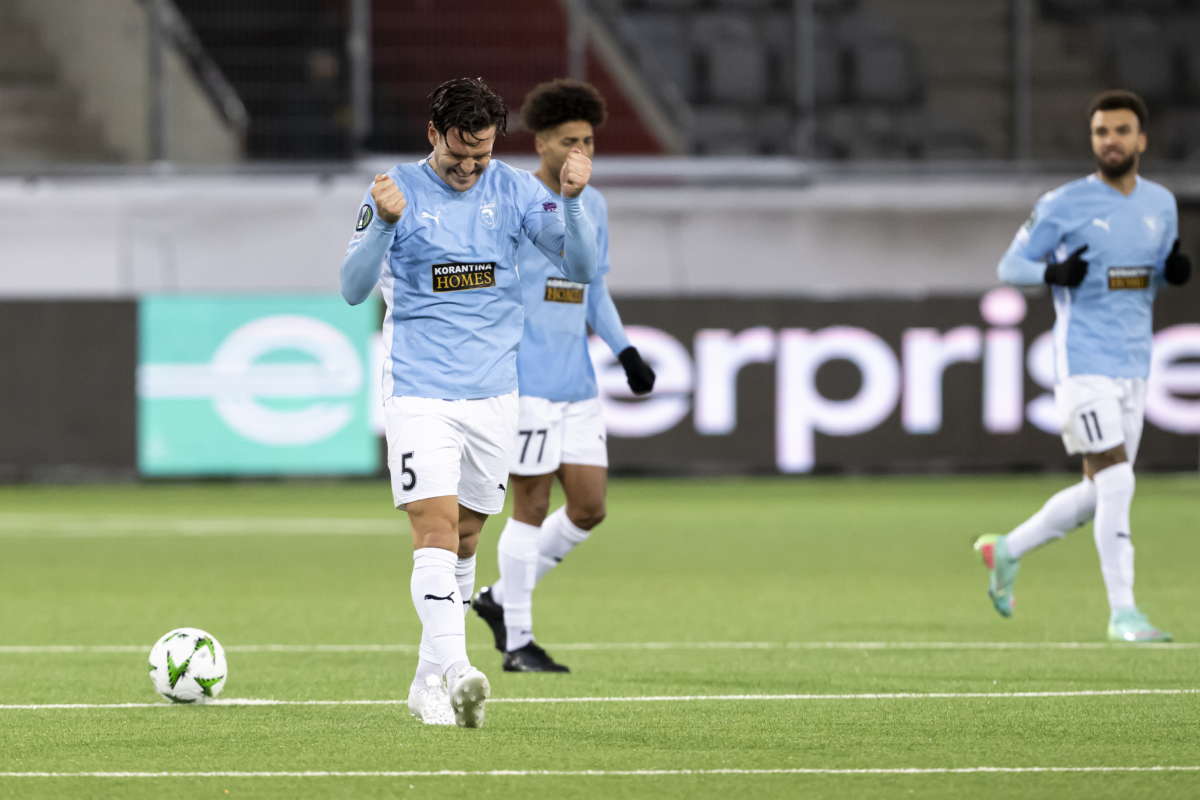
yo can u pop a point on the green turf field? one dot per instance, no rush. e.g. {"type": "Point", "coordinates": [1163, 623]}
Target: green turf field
{"type": "Point", "coordinates": [807, 594]}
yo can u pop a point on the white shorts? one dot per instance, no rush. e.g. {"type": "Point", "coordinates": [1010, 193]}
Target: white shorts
{"type": "Point", "coordinates": [450, 447]}
{"type": "Point", "coordinates": [550, 434]}
{"type": "Point", "coordinates": [1098, 413]}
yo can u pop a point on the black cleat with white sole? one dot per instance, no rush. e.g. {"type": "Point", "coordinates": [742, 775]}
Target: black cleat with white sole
{"type": "Point", "coordinates": [531, 658]}
{"type": "Point", "coordinates": [492, 613]}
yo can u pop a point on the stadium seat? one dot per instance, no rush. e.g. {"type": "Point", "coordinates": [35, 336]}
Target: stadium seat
{"type": "Point", "coordinates": [1177, 131]}
{"type": "Point", "coordinates": [1139, 60]}
{"type": "Point", "coordinates": [1072, 10]}
{"type": "Point", "coordinates": [883, 71]}
{"type": "Point", "coordinates": [779, 34]}
{"type": "Point", "coordinates": [673, 5]}
{"type": "Point", "coordinates": [1156, 7]}
{"type": "Point", "coordinates": [734, 58]}
{"type": "Point", "coordinates": [774, 131]}
{"type": "Point", "coordinates": [934, 138]}
{"type": "Point", "coordinates": [721, 131]}
{"type": "Point", "coordinates": [745, 5]}
{"type": "Point", "coordinates": [661, 46]}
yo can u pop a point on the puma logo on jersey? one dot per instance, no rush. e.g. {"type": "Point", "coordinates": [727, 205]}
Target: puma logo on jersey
{"type": "Point", "coordinates": [449, 597]}
{"type": "Point", "coordinates": [1101, 223]}
{"type": "Point", "coordinates": [434, 217]}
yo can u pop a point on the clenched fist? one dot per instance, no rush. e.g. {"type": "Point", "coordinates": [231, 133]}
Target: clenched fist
{"type": "Point", "coordinates": [576, 171]}
{"type": "Point", "coordinates": [389, 200]}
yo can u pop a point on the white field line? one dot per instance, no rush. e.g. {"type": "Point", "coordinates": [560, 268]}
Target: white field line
{"type": "Point", "coordinates": [34, 649]}
{"type": "Point", "coordinates": [693, 698]}
{"type": "Point", "coordinates": [73, 526]}
{"type": "Point", "coordinates": [599, 773]}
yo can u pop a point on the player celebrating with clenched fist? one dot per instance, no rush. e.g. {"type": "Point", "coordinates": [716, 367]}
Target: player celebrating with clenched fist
{"type": "Point", "coordinates": [440, 239]}
{"type": "Point", "coordinates": [561, 433]}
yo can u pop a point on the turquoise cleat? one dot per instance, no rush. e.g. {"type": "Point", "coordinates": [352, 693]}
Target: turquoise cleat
{"type": "Point", "coordinates": [1002, 571]}
{"type": "Point", "coordinates": [1131, 625]}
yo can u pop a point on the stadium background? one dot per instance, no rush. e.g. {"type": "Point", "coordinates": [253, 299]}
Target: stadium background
{"type": "Point", "coordinates": [775, 170]}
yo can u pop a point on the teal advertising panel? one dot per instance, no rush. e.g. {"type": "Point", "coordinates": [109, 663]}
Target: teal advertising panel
{"type": "Point", "coordinates": [255, 385]}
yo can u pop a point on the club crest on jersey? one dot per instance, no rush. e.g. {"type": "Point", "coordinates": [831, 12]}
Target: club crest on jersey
{"type": "Point", "coordinates": [453, 277]}
{"type": "Point", "coordinates": [1153, 224]}
{"type": "Point", "coordinates": [1129, 277]}
{"type": "Point", "coordinates": [364, 218]}
{"type": "Point", "coordinates": [561, 290]}
{"type": "Point", "coordinates": [487, 213]}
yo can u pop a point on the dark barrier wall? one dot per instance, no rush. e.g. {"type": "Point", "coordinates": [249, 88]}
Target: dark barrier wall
{"type": "Point", "coordinates": [67, 389]}
{"type": "Point", "coordinates": [745, 386]}
{"type": "Point", "coordinates": [866, 385]}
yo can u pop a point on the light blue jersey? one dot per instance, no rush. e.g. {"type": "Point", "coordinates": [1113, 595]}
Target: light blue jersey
{"type": "Point", "coordinates": [1104, 325]}
{"type": "Point", "coordinates": [448, 274]}
{"type": "Point", "coordinates": [553, 361]}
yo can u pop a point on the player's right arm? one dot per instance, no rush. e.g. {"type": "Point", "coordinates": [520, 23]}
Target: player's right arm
{"type": "Point", "coordinates": [373, 235]}
{"type": "Point", "coordinates": [1029, 261]}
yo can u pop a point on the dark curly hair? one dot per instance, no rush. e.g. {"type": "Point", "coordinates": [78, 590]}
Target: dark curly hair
{"type": "Point", "coordinates": [467, 104]}
{"type": "Point", "coordinates": [1114, 99]}
{"type": "Point", "coordinates": [552, 103]}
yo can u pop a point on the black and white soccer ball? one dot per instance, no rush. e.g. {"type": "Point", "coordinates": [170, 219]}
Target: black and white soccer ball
{"type": "Point", "coordinates": [187, 665]}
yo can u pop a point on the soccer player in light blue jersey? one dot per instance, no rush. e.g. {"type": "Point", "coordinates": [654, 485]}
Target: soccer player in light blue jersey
{"type": "Point", "coordinates": [440, 238]}
{"type": "Point", "coordinates": [1104, 244]}
{"type": "Point", "coordinates": [561, 431]}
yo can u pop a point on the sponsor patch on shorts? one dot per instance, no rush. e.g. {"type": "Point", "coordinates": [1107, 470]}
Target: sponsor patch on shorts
{"type": "Point", "coordinates": [1129, 277]}
{"type": "Point", "coordinates": [561, 290]}
{"type": "Point", "coordinates": [454, 277]}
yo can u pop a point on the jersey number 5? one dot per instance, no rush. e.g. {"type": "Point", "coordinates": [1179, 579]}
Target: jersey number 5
{"type": "Point", "coordinates": [410, 477]}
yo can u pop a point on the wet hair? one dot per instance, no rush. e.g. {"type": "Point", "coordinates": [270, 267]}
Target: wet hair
{"type": "Point", "coordinates": [552, 103]}
{"type": "Point", "coordinates": [467, 104]}
{"type": "Point", "coordinates": [1115, 99]}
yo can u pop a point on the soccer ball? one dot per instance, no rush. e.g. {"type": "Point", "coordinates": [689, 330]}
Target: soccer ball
{"type": "Point", "coordinates": [187, 665]}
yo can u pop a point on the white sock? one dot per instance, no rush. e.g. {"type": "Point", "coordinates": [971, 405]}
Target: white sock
{"type": "Point", "coordinates": [427, 663]}
{"type": "Point", "coordinates": [1062, 513]}
{"type": "Point", "coordinates": [558, 537]}
{"type": "Point", "coordinates": [435, 596]}
{"type": "Point", "coordinates": [1114, 543]}
{"type": "Point", "coordinates": [464, 573]}
{"type": "Point", "coordinates": [517, 553]}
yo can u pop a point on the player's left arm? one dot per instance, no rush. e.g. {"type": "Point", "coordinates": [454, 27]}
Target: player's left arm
{"type": "Point", "coordinates": [1177, 267]}
{"type": "Point", "coordinates": [602, 317]}
{"type": "Point", "coordinates": [569, 241]}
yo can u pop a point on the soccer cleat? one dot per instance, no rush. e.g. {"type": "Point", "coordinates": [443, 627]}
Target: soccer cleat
{"type": "Point", "coordinates": [531, 658]}
{"type": "Point", "coordinates": [1002, 571]}
{"type": "Point", "coordinates": [430, 703]}
{"type": "Point", "coordinates": [492, 613]}
{"type": "Point", "coordinates": [1131, 625]}
{"type": "Point", "coordinates": [469, 691]}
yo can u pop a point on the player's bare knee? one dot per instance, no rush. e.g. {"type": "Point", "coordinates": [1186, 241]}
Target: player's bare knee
{"type": "Point", "coordinates": [530, 510]}
{"type": "Point", "coordinates": [587, 515]}
{"type": "Point", "coordinates": [1096, 462]}
{"type": "Point", "coordinates": [467, 544]}
{"type": "Point", "coordinates": [531, 498]}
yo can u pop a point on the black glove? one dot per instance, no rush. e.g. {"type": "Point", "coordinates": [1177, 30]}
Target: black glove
{"type": "Point", "coordinates": [637, 372]}
{"type": "Point", "coordinates": [1178, 268]}
{"type": "Point", "coordinates": [1070, 272]}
